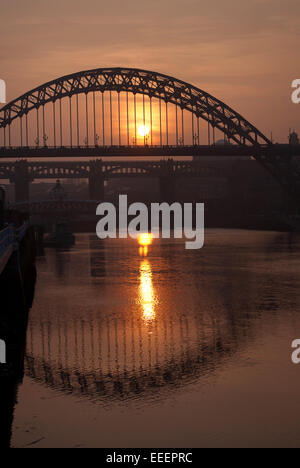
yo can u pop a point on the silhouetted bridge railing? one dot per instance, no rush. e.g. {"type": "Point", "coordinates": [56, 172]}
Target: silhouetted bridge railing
{"type": "Point", "coordinates": [127, 151]}
{"type": "Point", "coordinates": [266, 153]}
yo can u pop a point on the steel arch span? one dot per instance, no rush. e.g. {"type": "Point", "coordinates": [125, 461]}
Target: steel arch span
{"type": "Point", "coordinates": [154, 85]}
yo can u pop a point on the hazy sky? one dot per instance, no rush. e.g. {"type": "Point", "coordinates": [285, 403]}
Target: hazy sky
{"type": "Point", "coordinates": [246, 53]}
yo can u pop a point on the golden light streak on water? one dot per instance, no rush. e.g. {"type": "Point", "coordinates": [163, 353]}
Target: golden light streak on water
{"type": "Point", "coordinates": [147, 293]}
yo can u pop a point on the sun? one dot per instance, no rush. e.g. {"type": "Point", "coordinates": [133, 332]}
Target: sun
{"type": "Point", "coordinates": [143, 130]}
{"type": "Point", "coordinates": [145, 239]}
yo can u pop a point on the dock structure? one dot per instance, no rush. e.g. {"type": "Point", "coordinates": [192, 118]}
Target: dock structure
{"type": "Point", "coordinates": [17, 283]}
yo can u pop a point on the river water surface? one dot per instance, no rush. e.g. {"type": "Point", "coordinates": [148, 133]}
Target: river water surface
{"type": "Point", "coordinates": [174, 349]}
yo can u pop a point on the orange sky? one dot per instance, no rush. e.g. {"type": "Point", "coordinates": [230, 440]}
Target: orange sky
{"type": "Point", "coordinates": [244, 53]}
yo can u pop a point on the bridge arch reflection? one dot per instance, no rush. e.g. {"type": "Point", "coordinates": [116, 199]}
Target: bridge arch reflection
{"type": "Point", "coordinates": [122, 360]}
{"type": "Point", "coordinates": [141, 334]}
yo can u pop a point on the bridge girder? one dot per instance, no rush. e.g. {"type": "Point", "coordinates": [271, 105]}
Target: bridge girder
{"type": "Point", "coordinates": [106, 170]}
{"type": "Point", "coordinates": [136, 81]}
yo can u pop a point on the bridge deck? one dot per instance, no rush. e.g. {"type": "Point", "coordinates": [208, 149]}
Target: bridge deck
{"type": "Point", "coordinates": [127, 151]}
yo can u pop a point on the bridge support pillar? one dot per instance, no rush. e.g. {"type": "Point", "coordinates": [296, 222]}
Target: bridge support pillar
{"type": "Point", "coordinates": [22, 181]}
{"type": "Point", "coordinates": [96, 181]}
{"type": "Point", "coordinates": [96, 188]}
{"type": "Point", "coordinates": [167, 189]}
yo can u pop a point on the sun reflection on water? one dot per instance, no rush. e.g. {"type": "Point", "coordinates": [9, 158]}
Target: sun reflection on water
{"type": "Point", "coordinates": [147, 293]}
{"type": "Point", "coordinates": [144, 240]}
{"type": "Point", "coordinates": [143, 251]}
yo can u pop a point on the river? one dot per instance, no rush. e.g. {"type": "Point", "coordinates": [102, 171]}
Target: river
{"type": "Point", "coordinates": [174, 349]}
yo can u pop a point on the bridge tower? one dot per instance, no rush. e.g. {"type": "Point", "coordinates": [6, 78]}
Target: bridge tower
{"type": "Point", "coordinates": [96, 181]}
{"type": "Point", "coordinates": [21, 180]}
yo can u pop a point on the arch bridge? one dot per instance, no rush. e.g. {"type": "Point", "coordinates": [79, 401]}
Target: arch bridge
{"type": "Point", "coordinates": [132, 112]}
